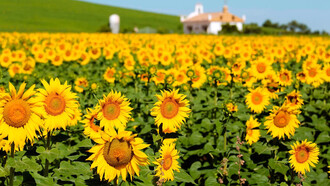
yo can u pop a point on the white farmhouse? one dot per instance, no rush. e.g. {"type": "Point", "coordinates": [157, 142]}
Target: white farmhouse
{"type": "Point", "coordinates": [200, 22]}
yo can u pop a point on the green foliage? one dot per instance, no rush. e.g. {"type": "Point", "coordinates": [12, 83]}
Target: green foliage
{"type": "Point", "coordinates": [208, 142]}
{"type": "Point", "coordinates": [75, 16]}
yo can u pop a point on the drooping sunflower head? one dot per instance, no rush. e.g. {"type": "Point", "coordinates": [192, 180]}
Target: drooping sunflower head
{"type": "Point", "coordinates": [257, 99]}
{"type": "Point", "coordinates": [301, 76]}
{"type": "Point", "coordinates": [293, 99]}
{"type": "Point", "coordinates": [282, 121]}
{"type": "Point", "coordinates": [114, 111]}
{"type": "Point", "coordinates": [272, 86]}
{"type": "Point", "coordinates": [252, 133]}
{"type": "Point", "coordinates": [118, 153]}
{"type": "Point", "coordinates": [80, 84]}
{"type": "Point", "coordinates": [303, 155]}
{"type": "Point", "coordinates": [167, 162]}
{"type": "Point", "coordinates": [285, 77]}
{"type": "Point", "coordinates": [171, 110]}
{"type": "Point", "coordinates": [19, 115]}
{"type": "Point", "coordinates": [59, 104]}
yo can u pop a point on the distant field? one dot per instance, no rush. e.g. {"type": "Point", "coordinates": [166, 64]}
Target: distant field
{"type": "Point", "coordinates": [74, 16]}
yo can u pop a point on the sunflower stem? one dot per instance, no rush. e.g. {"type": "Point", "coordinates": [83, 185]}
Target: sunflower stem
{"type": "Point", "coordinates": [115, 181]}
{"type": "Point", "coordinates": [47, 148]}
{"type": "Point", "coordinates": [12, 169]}
{"type": "Point", "coordinates": [225, 140]}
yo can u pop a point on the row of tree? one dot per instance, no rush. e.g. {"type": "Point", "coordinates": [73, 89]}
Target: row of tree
{"type": "Point", "coordinates": [270, 28]}
{"type": "Point", "coordinates": [293, 26]}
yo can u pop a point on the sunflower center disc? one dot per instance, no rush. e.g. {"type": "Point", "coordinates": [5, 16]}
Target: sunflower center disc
{"type": "Point", "coordinates": [312, 72]}
{"type": "Point", "coordinates": [249, 132]}
{"type": "Point", "coordinates": [111, 111]}
{"type": "Point", "coordinates": [55, 104]}
{"type": "Point", "coordinates": [302, 155]}
{"type": "Point", "coordinates": [281, 119]}
{"type": "Point", "coordinates": [261, 68]}
{"type": "Point", "coordinates": [328, 72]}
{"type": "Point", "coordinates": [180, 78]}
{"type": "Point", "coordinates": [284, 77]}
{"type": "Point", "coordinates": [16, 113]}
{"type": "Point", "coordinates": [257, 98]}
{"type": "Point", "coordinates": [169, 108]}
{"type": "Point", "coordinates": [117, 153]}
{"type": "Point", "coordinates": [167, 163]}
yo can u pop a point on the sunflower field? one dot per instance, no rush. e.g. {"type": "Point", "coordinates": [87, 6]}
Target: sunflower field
{"type": "Point", "coordinates": [135, 109]}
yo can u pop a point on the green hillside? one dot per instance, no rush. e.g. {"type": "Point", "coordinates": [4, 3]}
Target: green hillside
{"type": "Point", "coordinates": [74, 16]}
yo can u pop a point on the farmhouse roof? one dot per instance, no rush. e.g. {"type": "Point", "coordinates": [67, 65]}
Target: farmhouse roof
{"type": "Point", "coordinates": [223, 16]}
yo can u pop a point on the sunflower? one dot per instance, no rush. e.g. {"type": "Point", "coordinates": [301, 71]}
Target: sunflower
{"type": "Point", "coordinates": [5, 59]}
{"type": "Point", "coordinates": [166, 58]}
{"type": "Point", "coordinates": [301, 76]}
{"type": "Point", "coordinates": [180, 78]}
{"type": "Point", "coordinates": [226, 72]}
{"type": "Point", "coordinates": [237, 67]}
{"type": "Point", "coordinates": [248, 78]}
{"type": "Point", "coordinates": [231, 107]}
{"type": "Point", "coordinates": [40, 57]}
{"type": "Point", "coordinates": [314, 75]}
{"type": "Point", "coordinates": [59, 104]}
{"type": "Point", "coordinates": [75, 118]}
{"type": "Point", "coordinates": [282, 121]}
{"type": "Point", "coordinates": [218, 49]}
{"type": "Point", "coordinates": [94, 53]}
{"type": "Point", "coordinates": [67, 55]}
{"type": "Point", "coordinates": [260, 68]}
{"type": "Point", "coordinates": [326, 72]}
{"type": "Point", "coordinates": [129, 63]}
{"type": "Point", "coordinates": [170, 110]}
{"type": "Point", "coordinates": [167, 162]}
{"type": "Point", "coordinates": [272, 87]}
{"type": "Point", "coordinates": [159, 76]}
{"type": "Point", "coordinates": [57, 60]}
{"type": "Point", "coordinates": [80, 84]}
{"type": "Point", "coordinates": [200, 76]}
{"type": "Point", "coordinates": [90, 128]}
{"type": "Point", "coordinates": [285, 78]}
{"type": "Point", "coordinates": [84, 58]}
{"type": "Point", "coordinates": [252, 134]}
{"type": "Point", "coordinates": [293, 99]}
{"type": "Point", "coordinates": [109, 75]}
{"type": "Point", "coordinates": [304, 154]}
{"type": "Point", "coordinates": [257, 100]}
{"type": "Point", "coordinates": [14, 69]}
{"type": "Point", "coordinates": [19, 115]}
{"type": "Point", "coordinates": [114, 111]}
{"type": "Point", "coordinates": [118, 153]}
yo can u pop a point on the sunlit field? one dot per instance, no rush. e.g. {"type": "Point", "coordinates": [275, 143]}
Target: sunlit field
{"type": "Point", "coordinates": [135, 109]}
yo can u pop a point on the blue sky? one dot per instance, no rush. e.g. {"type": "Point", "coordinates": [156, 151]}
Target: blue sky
{"type": "Point", "coordinates": [314, 13]}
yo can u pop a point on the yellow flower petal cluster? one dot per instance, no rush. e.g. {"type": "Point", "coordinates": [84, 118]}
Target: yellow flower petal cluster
{"type": "Point", "coordinates": [168, 161]}
{"type": "Point", "coordinates": [170, 110]}
{"type": "Point", "coordinates": [282, 121]}
{"type": "Point", "coordinates": [60, 105]}
{"type": "Point", "coordinates": [118, 153]}
{"type": "Point", "coordinates": [257, 99]}
{"type": "Point", "coordinates": [303, 155]}
{"type": "Point", "coordinates": [20, 116]}
{"type": "Point", "coordinates": [252, 132]}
